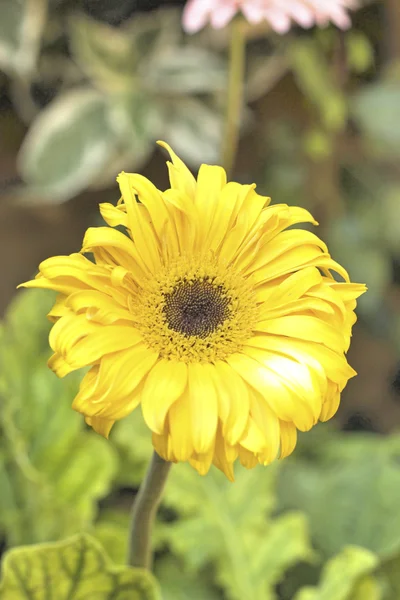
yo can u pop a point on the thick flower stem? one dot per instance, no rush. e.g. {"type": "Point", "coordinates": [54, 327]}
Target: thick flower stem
{"type": "Point", "coordinates": [235, 94]}
{"type": "Point", "coordinates": [144, 511]}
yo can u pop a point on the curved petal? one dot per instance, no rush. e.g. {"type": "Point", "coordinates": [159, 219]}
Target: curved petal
{"type": "Point", "coordinates": [203, 405]}
{"type": "Point", "coordinates": [286, 404]}
{"type": "Point", "coordinates": [288, 438]}
{"type": "Point", "coordinates": [233, 401]}
{"type": "Point", "coordinates": [181, 428]}
{"type": "Point", "coordinates": [101, 426]}
{"type": "Point", "coordinates": [165, 383]}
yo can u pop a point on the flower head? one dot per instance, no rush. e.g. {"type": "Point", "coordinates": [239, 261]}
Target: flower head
{"type": "Point", "coordinates": [227, 327]}
{"type": "Point", "coordinates": [279, 13]}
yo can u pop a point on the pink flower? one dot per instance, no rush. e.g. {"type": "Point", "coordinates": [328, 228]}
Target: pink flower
{"type": "Point", "coordinates": [279, 13]}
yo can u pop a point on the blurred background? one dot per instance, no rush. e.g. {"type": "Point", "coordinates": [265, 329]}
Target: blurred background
{"type": "Point", "coordinates": [86, 88]}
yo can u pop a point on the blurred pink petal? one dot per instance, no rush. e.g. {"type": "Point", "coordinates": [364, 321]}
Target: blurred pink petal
{"type": "Point", "coordinates": [280, 14]}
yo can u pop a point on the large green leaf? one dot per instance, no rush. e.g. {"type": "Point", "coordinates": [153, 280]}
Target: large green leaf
{"type": "Point", "coordinates": [21, 26]}
{"type": "Point", "coordinates": [132, 438]}
{"type": "Point", "coordinates": [348, 239]}
{"type": "Point", "coordinates": [194, 129]}
{"type": "Point", "coordinates": [137, 120]}
{"type": "Point", "coordinates": [349, 486]}
{"type": "Point", "coordinates": [179, 583]}
{"type": "Point", "coordinates": [67, 145]}
{"type": "Point", "coordinates": [52, 469]}
{"type": "Point", "coordinates": [72, 570]}
{"type": "Point", "coordinates": [376, 109]}
{"type": "Point", "coordinates": [184, 70]}
{"type": "Point", "coordinates": [342, 575]}
{"type": "Point", "coordinates": [315, 77]}
{"type": "Point", "coordinates": [227, 525]}
{"type": "Point", "coordinates": [104, 53]}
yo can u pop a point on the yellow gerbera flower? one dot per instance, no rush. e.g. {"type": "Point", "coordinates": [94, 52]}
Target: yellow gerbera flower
{"type": "Point", "coordinates": [226, 326]}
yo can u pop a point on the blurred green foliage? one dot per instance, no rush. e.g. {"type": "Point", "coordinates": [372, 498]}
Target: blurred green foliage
{"type": "Point", "coordinates": [115, 92]}
{"type": "Point", "coordinates": [321, 123]}
{"type": "Point", "coordinates": [320, 525]}
{"type": "Point", "coordinates": [69, 570]}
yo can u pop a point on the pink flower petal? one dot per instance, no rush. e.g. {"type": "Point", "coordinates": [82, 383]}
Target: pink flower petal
{"type": "Point", "coordinates": [196, 14]}
{"type": "Point", "coordinates": [281, 14]}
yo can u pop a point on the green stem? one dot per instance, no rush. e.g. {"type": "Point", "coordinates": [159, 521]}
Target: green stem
{"type": "Point", "coordinates": [235, 94]}
{"type": "Point", "coordinates": [144, 511]}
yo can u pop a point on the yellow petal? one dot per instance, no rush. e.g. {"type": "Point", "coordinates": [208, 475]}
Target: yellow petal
{"type": "Point", "coordinates": [286, 404]}
{"type": "Point", "coordinates": [203, 405]}
{"type": "Point", "coordinates": [210, 182]}
{"type": "Point", "coordinates": [101, 426]}
{"type": "Point", "coordinates": [152, 199]}
{"type": "Point", "coordinates": [292, 288]}
{"type": "Point", "coordinates": [348, 291]}
{"type": "Point", "coordinates": [165, 383]}
{"type": "Point", "coordinates": [180, 426]}
{"type": "Point", "coordinates": [221, 458]}
{"type": "Point", "coordinates": [105, 340]}
{"type": "Point", "coordinates": [331, 404]}
{"type": "Point", "coordinates": [253, 438]}
{"type": "Point", "coordinates": [163, 447]}
{"type": "Point", "coordinates": [143, 236]}
{"type": "Point", "coordinates": [297, 377]}
{"type": "Point", "coordinates": [268, 424]}
{"type": "Point", "coordinates": [228, 200]}
{"type": "Point", "coordinates": [291, 261]}
{"type": "Point", "coordinates": [233, 402]}
{"type": "Point", "coordinates": [112, 390]}
{"type": "Point", "coordinates": [202, 462]}
{"type": "Point", "coordinates": [67, 331]}
{"type": "Point", "coordinates": [288, 438]}
{"type": "Point", "coordinates": [118, 246]}
{"type": "Point", "coordinates": [114, 215]}
{"type": "Point", "coordinates": [57, 364]}
{"type": "Point", "coordinates": [282, 243]}
{"type": "Point", "coordinates": [180, 176]}
{"type": "Point", "coordinates": [307, 328]}
{"type": "Point", "coordinates": [104, 309]}
{"type": "Point", "coordinates": [247, 459]}
{"type": "Point", "coordinates": [335, 365]}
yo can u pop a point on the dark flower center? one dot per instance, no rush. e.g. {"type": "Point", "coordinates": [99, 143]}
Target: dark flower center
{"type": "Point", "coordinates": [196, 308]}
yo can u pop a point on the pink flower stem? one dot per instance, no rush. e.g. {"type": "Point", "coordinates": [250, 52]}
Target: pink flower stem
{"type": "Point", "coordinates": [234, 103]}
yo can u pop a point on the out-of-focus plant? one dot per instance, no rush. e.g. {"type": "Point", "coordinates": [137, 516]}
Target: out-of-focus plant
{"type": "Point", "coordinates": [97, 97]}
{"type": "Point", "coordinates": [294, 531]}
{"type": "Point", "coordinates": [69, 570]}
{"type": "Point", "coordinates": [52, 471]}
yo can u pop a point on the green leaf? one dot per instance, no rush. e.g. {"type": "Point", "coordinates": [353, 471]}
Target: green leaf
{"type": "Point", "coordinates": [193, 129]}
{"type": "Point", "coordinates": [333, 483]}
{"type": "Point", "coordinates": [314, 76]}
{"type": "Point", "coordinates": [369, 588]}
{"type": "Point", "coordinates": [227, 525]}
{"type": "Point", "coordinates": [72, 570]}
{"type": "Point", "coordinates": [21, 27]}
{"type": "Point", "coordinates": [67, 145]}
{"type": "Point", "coordinates": [137, 120]}
{"type": "Point", "coordinates": [360, 51]}
{"type": "Point", "coordinates": [376, 108]}
{"type": "Point", "coordinates": [350, 237]}
{"type": "Point", "coordinates": [132, 439]}
{"type": "Point", "coordinates": [178, 583]}
{"type": "Point", "coordinates": [341, 576]}
{"type": "Point", "coordinates": [104, 53]}
{"type": "Point", "coordinates": [112, 533]}
{"type": "Point", "coordinates": [390, 571]}
{"type": "Point", "coordinates": [185, 70]}
{"type": "Point", "coordinates": [53, 469]}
